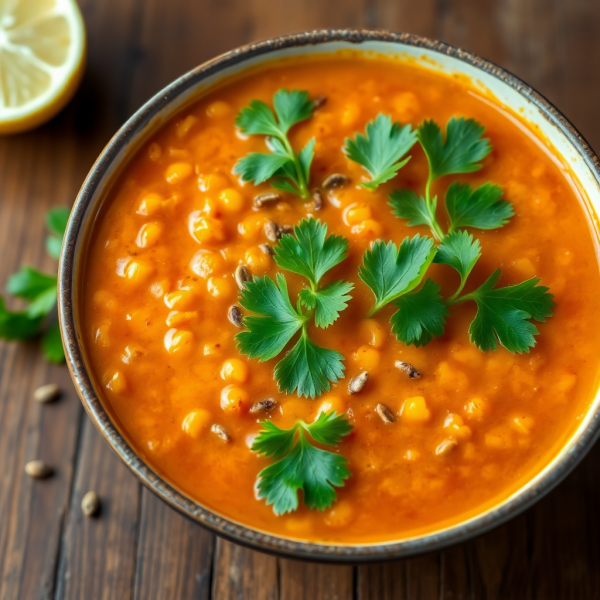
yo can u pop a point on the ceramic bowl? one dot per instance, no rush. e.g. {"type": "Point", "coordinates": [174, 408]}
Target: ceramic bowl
{"type": "Point", "coordinates": [510, 91]}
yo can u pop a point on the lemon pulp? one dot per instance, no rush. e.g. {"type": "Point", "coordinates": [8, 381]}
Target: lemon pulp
{"type": "Point", "coordinates": [42, 51]}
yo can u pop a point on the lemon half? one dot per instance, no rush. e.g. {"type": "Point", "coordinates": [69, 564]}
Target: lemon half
{"type": "Point", "coordinates": [42, 56]}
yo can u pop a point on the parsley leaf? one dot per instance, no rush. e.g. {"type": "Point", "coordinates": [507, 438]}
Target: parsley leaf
{"type": "Point", "coordinates": [380, 151]}
{"type": "Point", "coordinates": [461, 252]}
{"type": "Point", "coordinates": [267, 335]}
{"type": "Point", "coordinates": [462, 150]}
{"type": "Point", "coordinates": [311, 253]}
{"type": "Point", "coordinates": [17, 325]}
{"type": "Point", "coordinates": [307, 368]}
{"type": "Point", "coordinates": [39, 290]}
{"type": "Point", "coordinates": [421, 315]}
{"type": "Point", "coordinates": [301, 466]}
{"type": "Point", "coordinates": [503, 314]}
{"type": "Point", "coordinates": [288, 171]}
{"type": "Point", "coordinates": [52, 344]}
{"type": "Point", "coordinates": [482, 208]}
{"type": "Point", "coordinates": [391, 272]}
{"type": "Point", "coordinates": [328, 302]}
{"type": "Point", "coordinates": [56, 222]}
{"type": "Point", "coordinates": [418, 210]}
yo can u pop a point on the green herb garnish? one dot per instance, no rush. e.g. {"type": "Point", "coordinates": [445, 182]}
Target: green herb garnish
{"type": "Point", "coordinates": [286, 170]}
{"type": "Point", "coordinates": [391, 272]}
{"type": "Point", "coordinates": [503, 314]}
{"type": "Point", "coordinates": [380, 151]}
{"type": "Point", "coordinates": [307, 368]}
{"type": "Point", "coordinates": [461, 152]}
{"type": "Point", "coordinates": [300, 465]}
{"type": "Point", "coordinates": [39, 290]}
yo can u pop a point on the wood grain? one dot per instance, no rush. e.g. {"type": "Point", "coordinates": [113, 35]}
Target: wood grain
{"type": "Point", "coordinates": [138, 547]}
{"type": "Point", "coordinates": [98, 555]}
{"type": "Point", "coordinates": [240, 573]}
{"type": "Point", "coordinates": [174, 555]}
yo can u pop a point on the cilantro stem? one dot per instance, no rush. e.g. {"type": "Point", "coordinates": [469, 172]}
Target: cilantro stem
{"type": "Point", "coordinates": [301, 183]}
{"type": "Point", "coordinates": [436, 230]}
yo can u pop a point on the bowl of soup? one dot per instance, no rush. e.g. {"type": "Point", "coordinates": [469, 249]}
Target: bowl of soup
{"type": "Point", "coordinates": [334, 295]}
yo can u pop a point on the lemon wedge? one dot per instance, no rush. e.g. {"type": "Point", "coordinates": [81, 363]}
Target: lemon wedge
{"type": "Point", "coordinates": [42, 56]}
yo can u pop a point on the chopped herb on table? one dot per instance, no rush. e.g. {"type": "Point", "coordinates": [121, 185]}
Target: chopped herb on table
{"type": "Point", "coordinates": [39, 290]}
{"type": "Point", "coordinates": [300, 465]}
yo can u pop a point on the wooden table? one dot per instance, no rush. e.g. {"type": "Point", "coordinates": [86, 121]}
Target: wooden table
{"type": "Point", "coordinates": [139, 548]}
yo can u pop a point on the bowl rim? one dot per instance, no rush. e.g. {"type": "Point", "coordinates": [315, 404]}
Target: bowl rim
{"type": "Point", "coordinates": [225, 527]}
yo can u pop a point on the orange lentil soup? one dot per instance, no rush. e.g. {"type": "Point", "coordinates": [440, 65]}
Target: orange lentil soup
{"type": "Point", "coordinates": [159, 280]}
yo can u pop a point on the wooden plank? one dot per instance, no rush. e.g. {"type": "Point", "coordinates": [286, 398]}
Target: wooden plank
{"type": "Point", "coordinates": [98, 554]}
{"type": "Point", "coordinates": [174, 555]}
{"type": "Point", "coordinates": [313, 581]}
{"type": "Point", "coordinates": [240, 573]}
{"type": "Point", "coordinates": [384, 581]}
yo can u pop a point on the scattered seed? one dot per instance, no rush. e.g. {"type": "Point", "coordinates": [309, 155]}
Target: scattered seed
{"type": "Point", "coordinates": [242, 276]}
{"type": "Point", "coordinates": [271, 231]}
{"type": "Point", "coordinates": [317, 199]}
{"type": "Point", "coordinates": [358, 383]}
{"type": "Point", "coordinates": [267, 249]}
{"type": "Point", "coordinates": [46, 393]}
{"type": "Point", "coordinates": [285, 229]}
{"type": "Point", "coordinates": [264, 405]}
{"type": "Point", "coordinates": [407, 368]}
{"type": "Point", "coordinates": [387, 416]}
{"type": "Point", "coordinates": [235, 316]}
{"type": "Point", "coordinates": [90, 504]}
{"type": "Point", "coordinates": [220, 432]}
{"type": "Point", "coordinates": [319, 101]}
{"type": "Point", "coordinates": [38, 469]}
{"type": "Point", "coordinates": [446, 447]}
{"type": "Point", "coordinates": [335, 180]}
{"type": "Point", "coordinates": [263, 199]}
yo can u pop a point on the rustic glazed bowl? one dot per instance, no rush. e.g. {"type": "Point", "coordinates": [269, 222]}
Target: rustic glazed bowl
{"type": "Point", "coordinates": [569, 146]}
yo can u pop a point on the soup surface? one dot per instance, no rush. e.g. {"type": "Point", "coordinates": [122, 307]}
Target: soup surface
{"type": "Point", "coordinates": [157, 291]}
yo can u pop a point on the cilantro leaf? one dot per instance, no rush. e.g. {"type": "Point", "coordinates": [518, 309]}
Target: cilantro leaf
{"type": "Point", "coordinates": [308, 369]}
{"type": "Point", "coordinates": [259, 167]}
{"type": "Point", "coordinates": [56, 221]}
{"type": "Point", "coordinates": [329, 428]}
{"type": "Point", "coordinates": [52, 344]}
{"type": "Point", "coordinates": [462, 150]}
{"type": "Point", "coordinates": [290, 172]}
{"type": "Point", "coordinates": [391, 272]}
{"type": "Point", "coordinates": [380, 151]}
{"type": "Point", "coordinates": [503, 314]}
{"type": "Point", "coordinates": [327, 302]}
{"type": "Point", "coordinates": [407, 205]}
{"type": "Point", "coordinates": [267, 335]}
{"type": "Point", "coordinates": [312, 252]}
{"type": "Point", "coordinates": [482, 208]}
{"type": "Point", "coordinates": [460, 251]}
{"type": "Point", "coordinates": [302, 466]}
{"type": "Point", "coordinates": [29, 283]}
{"type": "Point", "coordinates": [274, 442]}
{"type": "Point", "coordinates": [17, 325]}
{"type": "Point", "coordinates": [421, 315]}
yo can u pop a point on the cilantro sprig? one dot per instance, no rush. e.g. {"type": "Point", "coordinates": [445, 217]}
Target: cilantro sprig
{"type": "Point", "coordinates": [300, 465]}
{"type": "Point", "coordinates": [307, 368]}
{"type": "Point", "coordinates": [381, 150]}
{"type": "Point", "coordinates": [503, 314]}
{"type": "Point", "coordinates": [285, 169]}
{"type": "Point", "coordinates": [39, 290]}
{"type": "Point", "coordinates": [461, 152]}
